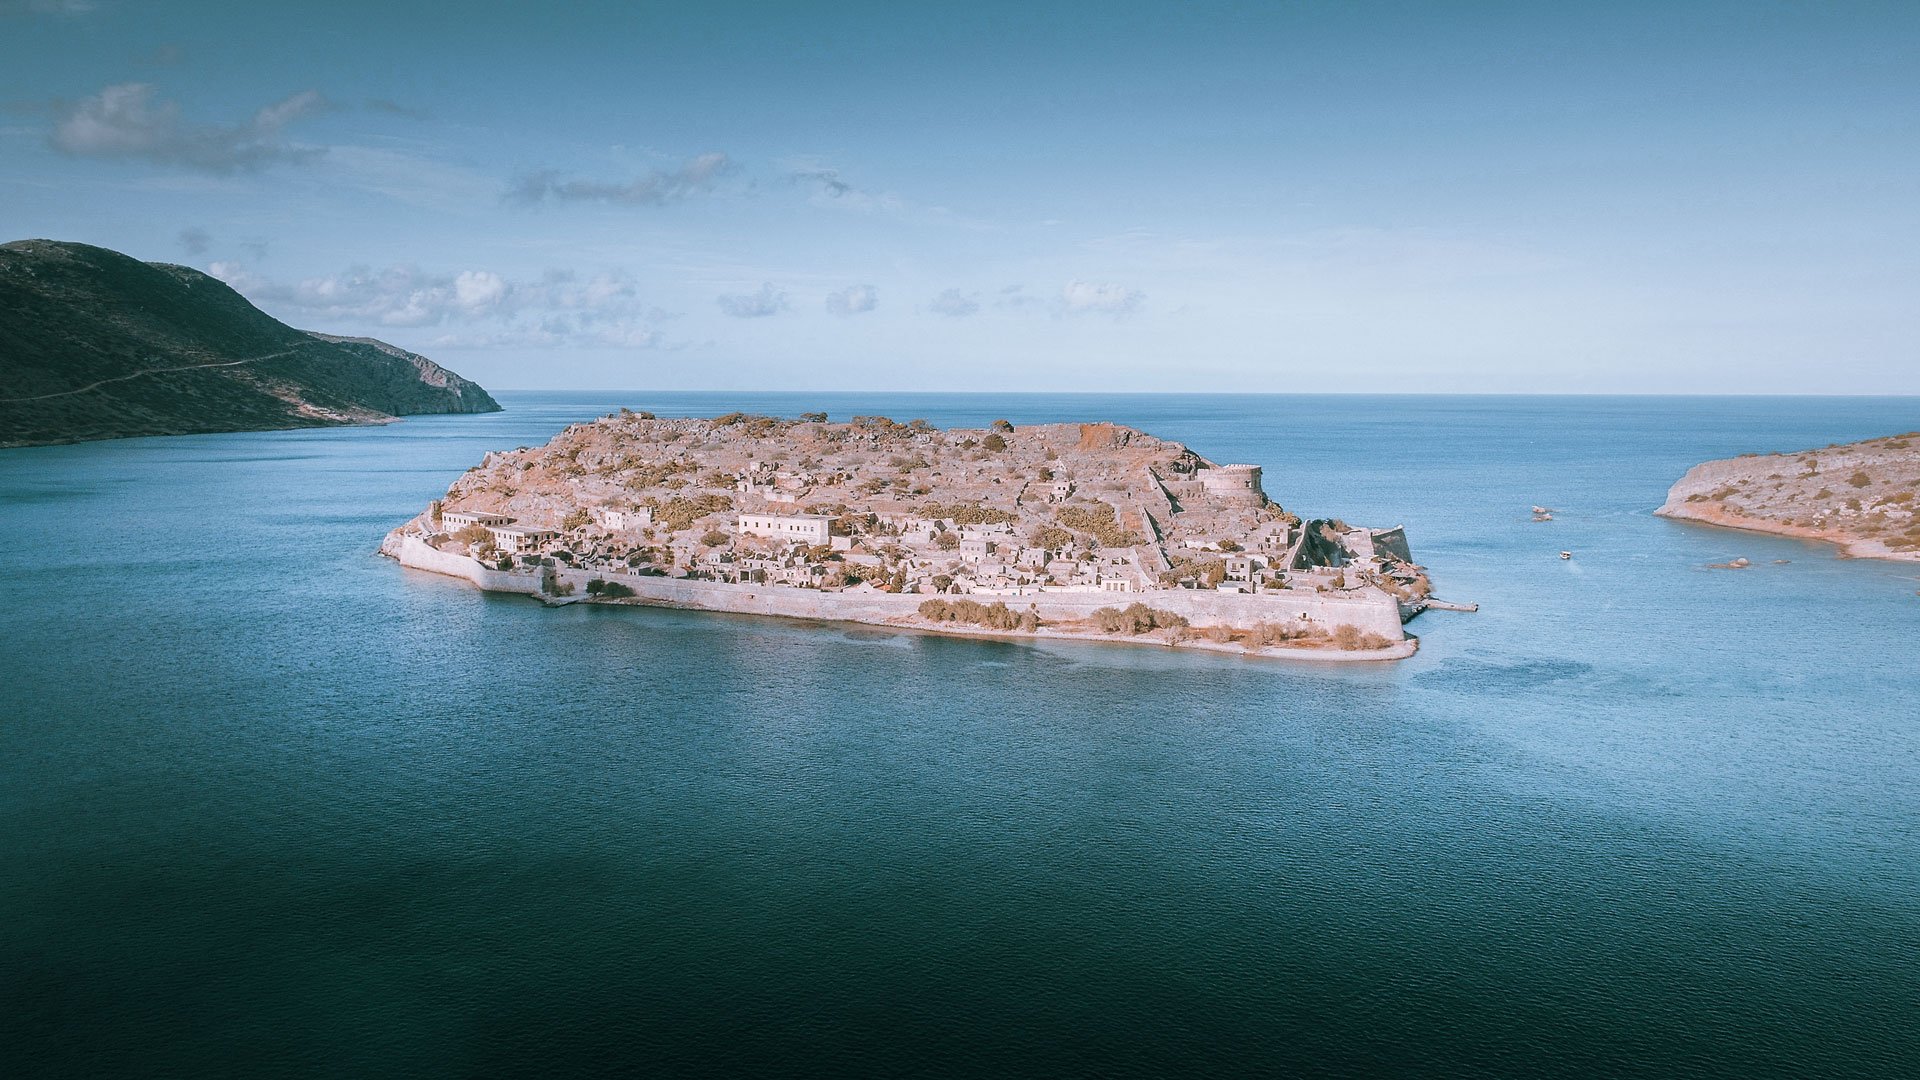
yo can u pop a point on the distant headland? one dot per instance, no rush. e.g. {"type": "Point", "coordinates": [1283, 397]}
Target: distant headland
{"type": "Point", "coordinates": [1090, 531]}
{"type": "Point", "coordinates": [97, 345]}
{"type": "Point", "coordinates": [1860, 496]}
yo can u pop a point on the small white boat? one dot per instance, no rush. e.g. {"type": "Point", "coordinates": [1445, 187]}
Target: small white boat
{"type": "Point", "coordinates": [1541, 515]}
{"type": "Point", "coordinates": [1566, 554]}
{"type": "Point", "coordinates": [1543, 509]}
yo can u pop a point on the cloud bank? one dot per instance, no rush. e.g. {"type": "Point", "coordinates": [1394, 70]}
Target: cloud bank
{"type": "Point", "coordinates": [754, 305]}
{"type": "Point", "coordinates": [696, 176]}
{"type": "Point", "coordinates": [853, 300]}
{"type": "Point", "coordinates": [478, 308]}
{"type": "Point", "coordinates": [955, 304]}
{"type": "Point", "coordinates": [127, 121]}
{"type": "Point", "coordinates": [1086, 297]}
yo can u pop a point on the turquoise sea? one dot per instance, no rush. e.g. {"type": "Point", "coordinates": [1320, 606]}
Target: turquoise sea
{"type": "Point", "coordinates": [271, 805]}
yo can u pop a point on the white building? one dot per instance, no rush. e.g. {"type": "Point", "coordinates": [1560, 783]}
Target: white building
{"type": "Point", "coordinates": [514, 538]}
{"type": "Point", "coordinates": [455, 520]}
{"type": "Point", "coordinates": [806, 528]}
{"type": "Point", "coordinates": [608, 517]}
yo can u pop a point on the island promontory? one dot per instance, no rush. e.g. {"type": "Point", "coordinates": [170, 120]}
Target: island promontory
{"type": "Point", "coordinates": [98, 345]}
{"type": "Point", "coordinates": [1088, 530]}
{"type": "Point", "coordinates": [1860, 495]}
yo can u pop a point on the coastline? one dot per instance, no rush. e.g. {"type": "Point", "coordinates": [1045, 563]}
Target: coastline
{"type": "Point", "coordinates": [889, 611]}
{"type": "Point", "coordinates": [1851, 545]}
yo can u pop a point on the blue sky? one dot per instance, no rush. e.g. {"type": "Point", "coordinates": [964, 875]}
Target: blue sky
{"type": "Point", "coordinates": [1477, 197]}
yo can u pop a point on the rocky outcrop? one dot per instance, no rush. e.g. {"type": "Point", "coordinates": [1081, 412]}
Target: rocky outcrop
{"type": "Point", "coordinates": [1861, 496]}
{"type": "Point", "coordinates": [97, 345]}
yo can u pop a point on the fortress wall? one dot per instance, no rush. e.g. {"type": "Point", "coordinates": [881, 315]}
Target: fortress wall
{"type": "Point", "coordinates": [1393, 542]}
{"type": "Point", "coordinates": [420, 555]}
{"type": "Point", "coordinates": [1369, 612]}
{"type": "Point", "coordinates": [1373, 613]}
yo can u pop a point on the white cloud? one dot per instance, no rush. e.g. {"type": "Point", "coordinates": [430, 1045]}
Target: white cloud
{"type": "Point", "coordinates": [754, 305]}
{"type": "Point", "coordinates": [853, 300]}
{"type": "Point", "coordinates": [479, 290]}
{"type": "Point", "coordinates": [478, 308]}
{"type": "Point", "coordinates": [955, 304]}
{"type": "Point", "coordinates": [233, 274]}
{"type": "Point", "coordinates": [128, 121]}
{"type": "Point", "coordinates": [697, 175]}
{"type": "Point", "coordinates": [1087, 297]}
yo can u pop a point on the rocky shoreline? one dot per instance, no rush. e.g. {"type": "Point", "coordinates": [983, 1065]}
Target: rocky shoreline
{"type": "Point", "coordinates": [1859, 496]}
{"type": "Point", "coordinates": [561, 586]}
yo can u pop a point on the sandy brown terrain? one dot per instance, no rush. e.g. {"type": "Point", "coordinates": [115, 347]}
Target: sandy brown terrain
{"type": "Point", "coordinates": [1860, 496]}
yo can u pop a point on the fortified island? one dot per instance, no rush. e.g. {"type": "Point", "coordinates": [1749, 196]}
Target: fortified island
{"type": "Point", "coordinates": [1092, 531]}
{"type": "Point", "coordinates": [1860, 496]}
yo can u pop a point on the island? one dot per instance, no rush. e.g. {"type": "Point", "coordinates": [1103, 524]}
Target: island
{"type": "Point", "coordinates": [98, 345]}
{"type": "Point", "coordinates": [1859, 496]}
{"type": "Point", "coordinates": [1082, 530]}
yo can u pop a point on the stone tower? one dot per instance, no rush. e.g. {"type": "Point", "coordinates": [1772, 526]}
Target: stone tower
{"type": "Point", "coordinates": [1237, 484]}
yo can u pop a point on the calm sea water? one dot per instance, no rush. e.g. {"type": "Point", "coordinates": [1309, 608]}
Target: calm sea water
{"type": "Point", "coordinates": [271, 805]}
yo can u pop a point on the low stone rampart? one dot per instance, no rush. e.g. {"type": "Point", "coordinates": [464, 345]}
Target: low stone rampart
{"type": "Point", "coordinates": [1369, 612]}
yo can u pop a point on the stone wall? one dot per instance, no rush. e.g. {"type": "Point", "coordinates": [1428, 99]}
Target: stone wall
{"type": "Point", "coordinates": [417, 553]}
{"type": "Point", "coordinates": [1370, 611]}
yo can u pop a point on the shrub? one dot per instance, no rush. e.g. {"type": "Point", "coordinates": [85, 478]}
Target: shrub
{"type": "Point", "coordinates": [967, 513]}
{"type": "Point", "coordinates": [1002, 425]}
{"type": "Point", "coordinates": [994, 616]}
{"type": "Point", "coordinates": [1051, 537]}
{"type": "Point", "coordinates": [1135, 618]}
{"type": "Point", "coordinates": [994, 443]}
{"type": "Point", "coordinates": [1208, 572]}
{"type": "Point", "coordinates": [1860, 479]}
{"type": "Point", "coordinates": [715, 538]}
{"type": "Point", "coordinates": [679, 512]}
{"type": "Point", "coordinates": [946, 541]}
{"type": "Point", "coordinates": [576, 519]}
{"type": "Point", "coordinates": [1097, 518]}
{"type": "Point", "coordinates": [1352, 638]}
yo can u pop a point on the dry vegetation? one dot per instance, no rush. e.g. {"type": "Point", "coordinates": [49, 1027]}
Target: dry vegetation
{"type": "Point", "coordinates": [1860, 494]}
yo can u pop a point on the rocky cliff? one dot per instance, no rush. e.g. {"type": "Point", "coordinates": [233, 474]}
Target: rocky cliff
{"type": "Point", "coordinates": [97, 345]}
